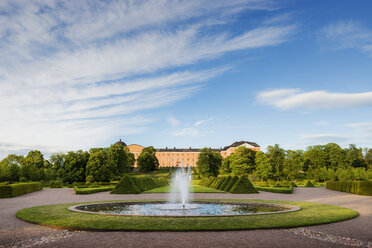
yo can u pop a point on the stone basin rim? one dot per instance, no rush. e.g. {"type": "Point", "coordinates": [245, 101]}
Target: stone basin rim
{"type": "Point", "coordinates": [287, 208]}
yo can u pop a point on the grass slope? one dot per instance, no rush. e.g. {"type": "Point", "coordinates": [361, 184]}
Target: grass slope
{"type": "Point", "coordinates": [310, 214]}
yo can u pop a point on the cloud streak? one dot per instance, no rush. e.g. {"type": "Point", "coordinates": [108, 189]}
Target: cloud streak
{"type": "Point", "coordinates": [313, 100]}
{"type": "Point", "coordinates": [75, 75]}
{"type": "Point", "coordinates": [347, 34]}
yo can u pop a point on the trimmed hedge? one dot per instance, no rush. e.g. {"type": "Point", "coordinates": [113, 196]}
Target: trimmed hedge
{"type": "Point", "coordinates": [225, 183]}
{"type": "Point", "coordinates": [127, 185]}
{"type": "Point", "coordinates": [354, 187]}
{"type": "Point", "coordinates": [12, 190]}
{"type": "Point", "coordinates": [56, 184]}
{"type": "Point", "coordinates": [282, 190]}
{"type": "Point", "coordinates": [309, 184]}
{"type": "Point", "coordinates": [231, 183]}
{"type": "Point", "coordinates": [243, 186]}
{"type": "Point", "coordinates": [84, 191]}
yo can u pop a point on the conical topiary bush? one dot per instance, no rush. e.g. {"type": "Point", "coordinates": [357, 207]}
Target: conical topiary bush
{"type": "Point", "coordinates": [225, 183]}
{"type": "Point", "coordinates": [231, 183]}
{"type": "Point", "coordinates": [126, 186]}
{"type": "Point", "coordinates": [243, 186]}
{"type": "Point", "coordinates": [309, 184]}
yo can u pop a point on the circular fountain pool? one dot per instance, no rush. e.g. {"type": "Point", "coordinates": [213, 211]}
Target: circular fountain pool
{"type": "Point", "coordinates": [192, 209]}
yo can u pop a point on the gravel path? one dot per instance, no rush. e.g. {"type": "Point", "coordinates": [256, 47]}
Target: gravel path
{"type": "Point", "coordinates": [352, 233]}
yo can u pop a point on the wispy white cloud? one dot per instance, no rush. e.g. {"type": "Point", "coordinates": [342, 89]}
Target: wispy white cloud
{"type": "Point", "coordinates": [75, 74]}
{"type": "Point", "coordinates": [347, 34]}
{"type": "Point", "coordinates": [296, 98]}
{"type": "Point", "coordinates": [203, 122]}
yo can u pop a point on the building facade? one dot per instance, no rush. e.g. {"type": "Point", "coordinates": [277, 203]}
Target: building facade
{"type": "Point", "coordinates": [174, 156]}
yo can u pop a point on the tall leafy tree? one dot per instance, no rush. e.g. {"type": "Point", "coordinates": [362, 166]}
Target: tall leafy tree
{"type": "Point", "coordinates": [263, 166]}
{"type": "Point", "coordinates": [293, 163]}
{"type": "Point", "coordinates": [74, 166]}
{"type": "Point", "coordinates": [368, 157]}
{"type": "Point", "coordinates": [355, 157]}
{"type": "Point", "coordinates": [315, 157]}
{"type": "Point", "coordinates": [243, 161]}
{"type": "Point", "coordinates": [209, 162]}
{"type": "Point", "coordinates": [276, 157]}
{"type": "Point", "coordinates": [34, 158]}
{"type": "Point", "coordinates": [10, 168]}
{"type": "Point", "coordinates": [118, 159]}
{"type": "Point", "coordinates": [336, 156]}
{"type": "Point", "coordinates": [147, 160]}
{"type": "Point", "coordinates": [100, 166]}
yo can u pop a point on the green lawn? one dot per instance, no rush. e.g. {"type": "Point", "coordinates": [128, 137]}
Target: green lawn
{"type": "Point", "coordinates": [193, 188]}
{"type": "Point", "coordinates": [310, 214]}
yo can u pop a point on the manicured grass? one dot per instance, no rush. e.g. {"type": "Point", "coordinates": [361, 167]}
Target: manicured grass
{"type": "Point", "coordinates": [310, 214]}
{"type": "Point", "coordinates": [192, 188]}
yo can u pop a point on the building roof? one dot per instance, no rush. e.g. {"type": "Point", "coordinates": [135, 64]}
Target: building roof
{"type": "Point", "coordinates": [120, 143]}
{"type": "Point", "coordinates": [235, 144]}
{"type": "Point", "coordinates": [239, 143]}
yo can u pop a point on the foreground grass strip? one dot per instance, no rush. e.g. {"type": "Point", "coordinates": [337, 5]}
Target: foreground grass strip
{"type": "Point", "coordinates": [310, 214]}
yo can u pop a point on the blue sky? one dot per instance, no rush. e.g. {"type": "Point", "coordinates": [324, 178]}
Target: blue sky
{"type": "Point", "coordinates": [81, 74]}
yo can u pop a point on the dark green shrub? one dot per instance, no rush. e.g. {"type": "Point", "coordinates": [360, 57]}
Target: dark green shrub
{"type": "Point", "coordinates": [56, 184]}
{"type": "Point", "coordinates": [161, 181]}
{"type": "Point", "coordinates": [231, 183]}
{"type": "Point", "coordinates": [283, 190]}
{"type": "Point", "coordinates": [243, 186]}
{"type": "Point", "coordinates": [225, 183]}
{"type": "Point", "coordinates": [354, 187]}
{"type": "Point", "coordinates": [293, 184]}
{"type": "Point", "coordinates": [12, 190]}
{"type": "Point", "coordinates": [210, 181]}
{"type": "Point", "coordinates": [126, 186]}
{"type": "Point", "coordinates": [217, 182]}
{"type": "Point", "coordinates": [309, 184]}
{"type": "Point", "coordinates": [84, 191]}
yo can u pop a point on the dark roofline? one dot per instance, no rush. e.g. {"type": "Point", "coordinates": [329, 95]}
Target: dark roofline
{"type": "Point", "coordinates": [235, 144]}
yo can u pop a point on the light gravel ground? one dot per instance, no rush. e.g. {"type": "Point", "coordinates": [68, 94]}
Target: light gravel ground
{"type": "Point", "coordinates": [356, 232]}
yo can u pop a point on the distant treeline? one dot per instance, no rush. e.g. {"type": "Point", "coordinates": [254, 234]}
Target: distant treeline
{"type": "Point", "coordinates": [320, 162]}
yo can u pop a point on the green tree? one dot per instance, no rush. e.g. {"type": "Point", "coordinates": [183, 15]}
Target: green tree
{"type": "Point", "coordinates": [368, 157]}
{"type": "Point", "coordinates": [34, 158]}
{"type": "Point", "coordinates": [226, 163]}
{"type": "Point", "coordinates": [293, 163]}
{"type": "Point", "coordinates": [276, 157]}
{"type": "Point", "coordinates": [355, 157]}
{"type": "Point", "coordinates": [263, 166]}
{"type": "Point", "coordinates": [209, 162]}
{"type": "Point", "coordinates": [100, 166]}
{"type": "Point", "coordinates": [74, 166]}
{"type": "Point", "coordinates": [315, 157]}
{"type": "Point", "coordinates": [118, 159]}
{"type": "Point", "coordinates": [336, 156]}
{"type": "Point", "coordinates": [147, 160]}
{"type": "Point", "coordinates": [243, 161]}
{"type": "Point", "coordinates": [10, 168]}
{"type": "Point", "coordinates": [57, 160]}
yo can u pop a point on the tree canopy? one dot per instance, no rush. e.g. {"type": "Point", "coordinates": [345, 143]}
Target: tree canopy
{"type": "Point", "coordinates": [209, 162]}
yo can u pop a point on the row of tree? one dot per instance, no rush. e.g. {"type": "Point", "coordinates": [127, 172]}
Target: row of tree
{"type": "Point", "coordinates": [321, 162]}
{"type": "Point", "coordinates": [97, 165]}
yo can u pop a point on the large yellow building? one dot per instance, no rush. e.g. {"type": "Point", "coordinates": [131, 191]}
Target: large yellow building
{"type": "Point", "coordinates": [174, 156]}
